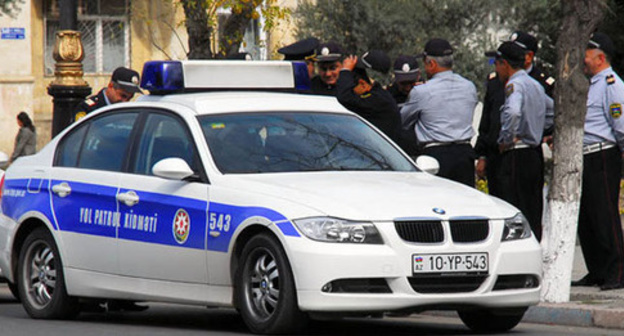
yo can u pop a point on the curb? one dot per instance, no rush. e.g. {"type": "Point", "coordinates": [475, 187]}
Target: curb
{"type": "Point", "coordinates": [600, 315]}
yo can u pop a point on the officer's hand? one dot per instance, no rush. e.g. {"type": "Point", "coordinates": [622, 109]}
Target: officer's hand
{"type": "Point", "coordinates": [349, 63]}
{"type": "Point", "coordinates": [480, 169]}
{"type": "Point", "coordinates": [549, 141]}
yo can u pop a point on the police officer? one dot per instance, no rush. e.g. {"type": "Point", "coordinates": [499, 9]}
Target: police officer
{"type": "Point", "coordinates": [599, 226]}
{"type": "Point", "coordinates": [406, 76]}
{"type": "Point", "coordinates": [358, 93]}
{"type": "Point", "coordinates": [486, 148]}
{"type": "Point", "coordinates": [329, 58]}
{"type": "Point", "coordinates": [440, 112]}
{"type": "Point", "coordinates": [303, 50]}
{"type": "Point", "coordinates": [523, 117]}
{"type": "Point", "coordinates": [123, 85]}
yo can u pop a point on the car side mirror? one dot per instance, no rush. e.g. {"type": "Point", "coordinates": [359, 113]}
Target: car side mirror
{"type": "Point", "coordinates": [428, 164]}
{"type": "Point", "coordinates": [172, 169]}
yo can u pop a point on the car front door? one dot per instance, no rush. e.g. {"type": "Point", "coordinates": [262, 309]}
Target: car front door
{"type": "Point", "coordinates": [83, 185]}
{"type": "Point", "coordinates": [162, 235]}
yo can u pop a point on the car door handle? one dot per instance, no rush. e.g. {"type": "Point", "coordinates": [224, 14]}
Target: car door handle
{"type": "Point", "coordinates": [129, 198]}
{"type": "Point", "coordinates": [62, 189]}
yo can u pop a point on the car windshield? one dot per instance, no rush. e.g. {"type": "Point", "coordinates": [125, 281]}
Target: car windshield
{"type": "Point", "coordinates": [298, 142]}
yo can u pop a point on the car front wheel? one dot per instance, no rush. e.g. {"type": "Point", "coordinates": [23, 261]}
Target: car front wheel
{"type": "Point", "coordinates": [265, 288]}
{"type": "Point", "coordinates": [41, 284]}
{"type": "Point", "coordinates": [492, 321]}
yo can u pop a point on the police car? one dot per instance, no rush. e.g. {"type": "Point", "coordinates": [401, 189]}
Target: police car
{"type": "Point", "coordinates": [218, 189]}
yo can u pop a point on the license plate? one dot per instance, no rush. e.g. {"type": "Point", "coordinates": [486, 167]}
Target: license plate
{"type": "Point", "coordinates": [450, 263]}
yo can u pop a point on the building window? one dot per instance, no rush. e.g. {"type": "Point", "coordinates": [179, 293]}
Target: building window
{"type": "Point", "coordinates": [105, 31]}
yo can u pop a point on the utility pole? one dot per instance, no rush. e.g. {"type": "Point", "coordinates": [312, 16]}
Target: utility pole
{"type": "Point", "coordinates": [68, 87]}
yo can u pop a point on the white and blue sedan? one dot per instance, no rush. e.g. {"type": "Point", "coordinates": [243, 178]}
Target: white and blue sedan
{"type": "Point", "coordinates": [283, 205]}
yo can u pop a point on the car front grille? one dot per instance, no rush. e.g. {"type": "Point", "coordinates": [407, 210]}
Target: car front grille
{"type": "Point", "coordinates": [420, 231]}
{"type": "Point", "coordinates": [469, 231]}
{"type": "Point", "coordinates": [436, 284]}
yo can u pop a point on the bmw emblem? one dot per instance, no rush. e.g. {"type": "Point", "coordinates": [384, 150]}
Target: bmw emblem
{"type": "Point", "coordinates": [439, 211]}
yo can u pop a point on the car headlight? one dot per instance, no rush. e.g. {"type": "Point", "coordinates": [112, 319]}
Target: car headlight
{"type": "Point", "coordinates": [334, 230]}
{"type": "Point", "coordinates": [516, 227]}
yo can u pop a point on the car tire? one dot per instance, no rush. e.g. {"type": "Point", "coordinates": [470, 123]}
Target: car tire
{"type": "Point", "coordinates": [40, 279]}
{"type": "Point", "coordinates": [265, 291]}
{"type": "Point", "coordinates": [492, 321]}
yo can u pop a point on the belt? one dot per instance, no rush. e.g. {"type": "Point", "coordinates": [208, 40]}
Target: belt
{"type": "Point", "coordinates": [435, 144]}
{"type": "Point", "coordinates": [597, 147]}
{"type": "Point", "coordinates": [518, 145]}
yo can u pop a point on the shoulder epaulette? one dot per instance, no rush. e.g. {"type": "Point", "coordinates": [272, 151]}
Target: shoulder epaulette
{"type": "Point", "coordinates": [492, 75]}
{"type": "Point", "coordinates": [366, 95]}
{"type": "Point", "coordinates": [550, 81]}
{"type": "Point", "coordinates": [90, 102]}
{"type": "Point", "coordinates": [610, 79]}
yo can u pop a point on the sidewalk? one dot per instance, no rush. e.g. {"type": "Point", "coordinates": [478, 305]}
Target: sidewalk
{"type": "Point", "coordinates": [588, 306]}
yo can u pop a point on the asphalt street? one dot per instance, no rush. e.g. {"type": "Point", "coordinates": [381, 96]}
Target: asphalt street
{"type": "Point", "coordinates": [172, 320]}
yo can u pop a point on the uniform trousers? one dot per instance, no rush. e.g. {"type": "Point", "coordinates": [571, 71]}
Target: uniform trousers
{"type": "Point", "coordinates": [599, 226]}
{"type": "Point", "coordinates": [522, 183]}
{"type": "Point", "coordinates": [456, 162]}
{"type": "Point", "coordinates": [492, 172]}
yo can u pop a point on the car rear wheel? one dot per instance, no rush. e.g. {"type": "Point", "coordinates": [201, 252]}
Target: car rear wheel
{"type": "Point", "coordinates": [265, 289]}
{"type": "Point", "coordinates": [40, 280]}
{"type": "Point", "coordinates": [492, 321]}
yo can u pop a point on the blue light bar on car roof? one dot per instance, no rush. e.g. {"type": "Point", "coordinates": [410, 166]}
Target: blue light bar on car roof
{"type": "Point", "coordinates": [161, 77]}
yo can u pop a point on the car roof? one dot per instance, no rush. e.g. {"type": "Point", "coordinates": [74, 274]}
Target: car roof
{"type": "Point", "coordinates": [245, 101]}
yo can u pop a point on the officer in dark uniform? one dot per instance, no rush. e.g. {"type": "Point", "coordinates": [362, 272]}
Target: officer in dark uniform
{"type": "Point", "coordinates": [406, 76]}
{"type": "Point", "coordinates": [329, 58]}
{"type": "Point", "coordinates": [303, 50]}
{"type": "Point", "coordinates": [358, 93]}
{"type": "Point", "coordinates": [123, 85]}
{"type": "Point", "coordinates": [486, 148]}
{"type": "Point", "coordinates": [599, 226]}
{"type": "Point", "coordinates": [523, 116]}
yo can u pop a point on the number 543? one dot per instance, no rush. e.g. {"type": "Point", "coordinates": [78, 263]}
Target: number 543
{"type": "Point", "coordinates": [220, 222]}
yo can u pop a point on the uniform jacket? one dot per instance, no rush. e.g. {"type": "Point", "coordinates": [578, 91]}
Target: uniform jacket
{"type": "Point", "coordinates": [377, 106]}
{"type": "Point", "coordinates": [604, 121]}
{"type": "Point", "coordinates": [318, 87]}
{"type": "Point", "coordinates": [90, 104]}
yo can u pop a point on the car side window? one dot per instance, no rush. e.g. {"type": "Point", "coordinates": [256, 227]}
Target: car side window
{"type": "Point", "coordinates": [163, 136]}
{"type": "Point", "coordinates": [105, 142]}
{"type": "Point", "coordinates": [69, 147]}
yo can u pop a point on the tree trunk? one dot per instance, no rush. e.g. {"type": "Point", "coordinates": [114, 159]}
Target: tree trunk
{"type": "Point", "coordinates": [580, 19]}
{"type": "Point", "coordinates": [234, 28]}
{"type": "Point", "coordinates": [198, 29]}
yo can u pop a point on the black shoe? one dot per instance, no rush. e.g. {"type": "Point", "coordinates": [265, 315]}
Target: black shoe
{"type": "Point", "coordinates": [611, 285]}
{"type": "Point", "coordinates": [586, 281]}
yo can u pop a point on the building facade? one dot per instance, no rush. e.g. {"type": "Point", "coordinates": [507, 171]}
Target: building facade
{"type": "Point", "coordinates": [114, 33]}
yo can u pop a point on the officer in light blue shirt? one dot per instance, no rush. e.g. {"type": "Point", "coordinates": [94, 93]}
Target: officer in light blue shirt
{"type": "Point", "coordinates": [440, 113]}
{"type": "Point", "coordinates": [599, 226]}
{"type": "Point", "coordinates": [523, 116]}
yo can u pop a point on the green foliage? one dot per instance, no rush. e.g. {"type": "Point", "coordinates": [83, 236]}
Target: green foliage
{"type": "Point", "coordinates": [404, 26]}
{"type": "Point", "coordinates": [10, 7]}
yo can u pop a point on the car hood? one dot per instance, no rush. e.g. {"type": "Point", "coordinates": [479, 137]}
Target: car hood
{"type": "Point", "coordinates": [376, 195]}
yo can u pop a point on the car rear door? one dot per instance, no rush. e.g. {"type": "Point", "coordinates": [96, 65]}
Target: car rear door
{"type": "Point", "coordinates": [83, 187]}
{"type": "Point", "coordinates": [162, 235]}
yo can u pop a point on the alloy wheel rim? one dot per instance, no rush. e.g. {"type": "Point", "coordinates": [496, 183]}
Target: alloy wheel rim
{"type": "Point", "coordinates": [263, 284]}
{"type": "Point", "coordinates": [40, 274]}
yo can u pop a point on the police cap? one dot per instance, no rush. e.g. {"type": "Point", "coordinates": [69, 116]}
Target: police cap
{"type": "Point", "coordinates": [603, 42]}
{"type": "Point", "coordinates": [329, 52]}
{"type": "Point", "coordinates": [376, 60]}
{"type": "Point", "coordinates": [406, 69]}
{"type": "Point", "coordinates": [301, 50]}
{"type": "Point", "coordinates": [127, 79]}
{"type": "Point", "coordinates": [511, 52]}
{"type": "Point", "coordinates": [437, 47]}
{"type": "Point", "coordinates": [526, 41]}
